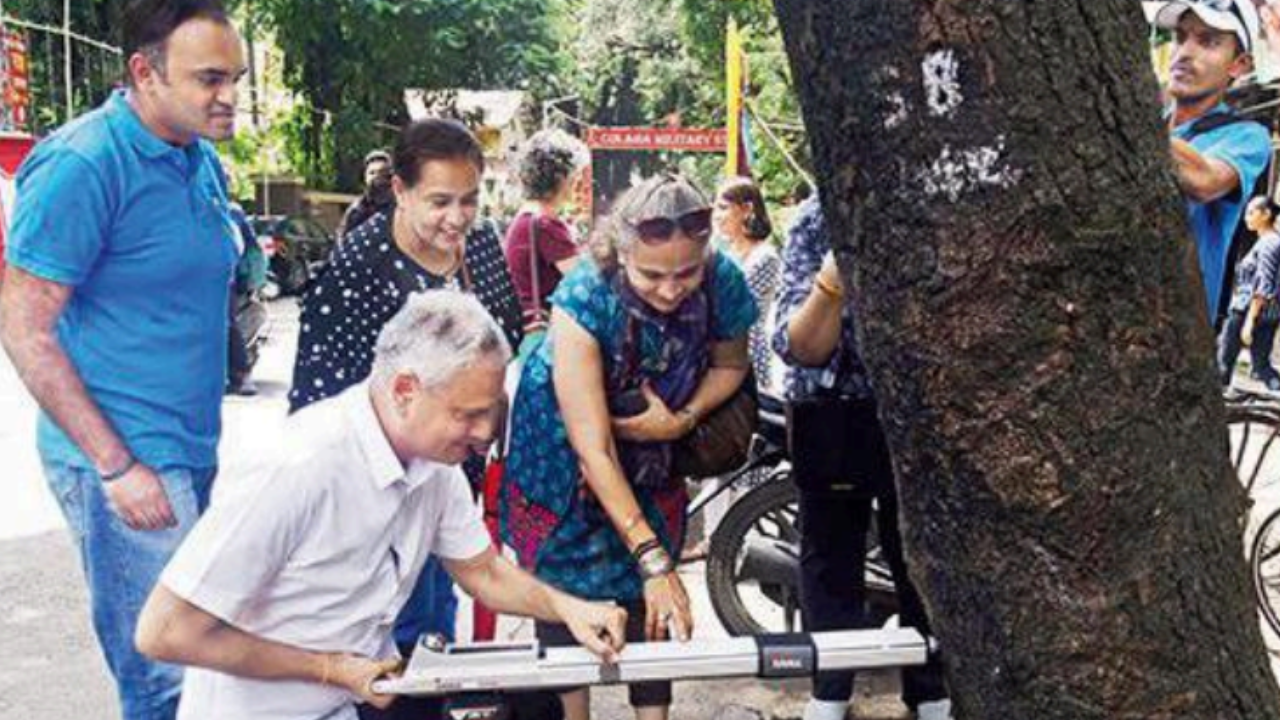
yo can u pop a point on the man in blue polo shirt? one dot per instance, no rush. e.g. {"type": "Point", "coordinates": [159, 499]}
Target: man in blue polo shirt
{"type": "Point", "coordinates": [114, 312]}
{"type": "Point", "coordinates": [1217, 155]}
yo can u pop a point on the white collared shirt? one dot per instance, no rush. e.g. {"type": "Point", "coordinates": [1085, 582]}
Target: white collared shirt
{"type": "Point", "coordinates": [319, 552]}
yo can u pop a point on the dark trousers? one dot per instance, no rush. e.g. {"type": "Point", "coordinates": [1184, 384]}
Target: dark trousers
{"type": "Point", "coordinates": [1229, 346]}
{"type": "Point", "coordinates": [237, 354]}
{"type": "Point", "coordinates": [833, 551]}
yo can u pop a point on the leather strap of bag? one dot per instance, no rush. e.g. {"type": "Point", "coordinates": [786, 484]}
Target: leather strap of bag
{"type": "Point", "coordinates": [536, 319]}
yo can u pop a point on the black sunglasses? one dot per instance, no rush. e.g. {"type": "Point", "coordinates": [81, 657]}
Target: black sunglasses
{"type": "Point", "coordinates": [696, 225]}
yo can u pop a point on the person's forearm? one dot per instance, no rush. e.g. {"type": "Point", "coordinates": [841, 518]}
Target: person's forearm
{"type": "Point", "coordinates": [813, 332]}
{"type": "Point", "coordinates": [172, 630]}
{"type": "Point", "coordinates": [606, 481]}
{"type": "Point", "coordinates": [1256, 303]}
{"type": "Point", "coordinates": [717, 386]}
{"type": "Point", "coordinates": [52, 380]}
{"type": "Point", "coordinates": [1200, 178]}
{"type": "Point", "coordinates": [505, 588]}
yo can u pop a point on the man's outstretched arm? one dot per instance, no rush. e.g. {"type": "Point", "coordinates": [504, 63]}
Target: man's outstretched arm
{"type": "Point", "coordinates": [171, 629]}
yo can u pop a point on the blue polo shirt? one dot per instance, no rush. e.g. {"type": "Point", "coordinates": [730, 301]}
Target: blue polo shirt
{"type": "Point", "coordinates": [1246, 147]}
{"type": "Point", "coordinates": [139, 229]}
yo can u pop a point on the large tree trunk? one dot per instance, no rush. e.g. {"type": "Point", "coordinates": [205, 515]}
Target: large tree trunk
{"type": "Point", "coordinates": [996, 176]}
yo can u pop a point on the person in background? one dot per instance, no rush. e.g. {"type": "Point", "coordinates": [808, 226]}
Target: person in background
{"type": "Point", "coordinates": [540, 247]}
{"type": "Point", "coordinates": [646, 339]}
{"type": "Point", "coordinates": [742, 223]}
{"type": "Point", "coordinates": [250, 276]}
{"type": "Point", "coordinates": [1254, 313]}
{"type": "Point", "coordinates": [282, 596]}
{"type": "Point", "coordinates": [114, 312]}
{"type": "Point", "coordinates": [428, 240]}
{"type": "Point", "coordinates": [1218, 155]}
{"type": "Point", "coordinates": [377, 198]}
{"type": "Point", "coordinates": [841, 466]}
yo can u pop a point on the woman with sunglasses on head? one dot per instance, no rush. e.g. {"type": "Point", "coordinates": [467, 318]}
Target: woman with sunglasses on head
{"type": "Point", "coordinates": [645, 340]}
{"type": "Point", "coordinates": [742, 222]}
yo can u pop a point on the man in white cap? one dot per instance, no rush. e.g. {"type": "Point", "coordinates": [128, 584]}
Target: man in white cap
{"type": "Point", "coordinates": [1218, 155]}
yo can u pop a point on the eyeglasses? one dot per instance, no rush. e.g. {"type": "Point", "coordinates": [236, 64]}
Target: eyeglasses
{"type": "Point", "coordinates": [696, 225]}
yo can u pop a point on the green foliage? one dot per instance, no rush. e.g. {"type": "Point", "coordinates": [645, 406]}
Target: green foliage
{"type": "Point", "coordinates": [351, 60]}
{"type": "Point", "coordinates": [645, 61]}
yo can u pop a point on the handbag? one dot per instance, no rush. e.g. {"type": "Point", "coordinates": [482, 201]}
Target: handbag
{"type": "Point", "coordinates": [837, 445]}
{"type": "Point", "coordinates": [721, 442]}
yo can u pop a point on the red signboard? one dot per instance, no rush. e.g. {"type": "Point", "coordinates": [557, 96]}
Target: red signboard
{"type": "Point", "coordinates": [13, 148]}
{"type": "Point", "coordinates": [15, 92]}
{"type": "Point", "coordinates": [642, 138]}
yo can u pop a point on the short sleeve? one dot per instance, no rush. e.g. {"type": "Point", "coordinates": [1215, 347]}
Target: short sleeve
{"type": "Point", "coordinates": [1244, 146]}
{"type": "Point", "coordinates": [53, 186]}
{"type": "Point", "coordinates": [461, 534]}
{"type": "Point", "coordinates": [555, 244]}
{"type": "Point", "coordinates": [238, 547]}
{"type": "Point", "coordinates": [801, 260]}
{"type": "Point", "coordinates": [735, 306]}
{"type": "Point", "coordinates": [584, 295]}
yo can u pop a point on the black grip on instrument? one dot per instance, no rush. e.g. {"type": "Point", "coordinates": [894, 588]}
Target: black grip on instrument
{"type": "Point", "coordinates": [786, 655]}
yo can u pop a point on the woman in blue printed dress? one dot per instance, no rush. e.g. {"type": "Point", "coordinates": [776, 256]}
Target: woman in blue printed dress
{"type": "Point", "coordinates": [645, 341]}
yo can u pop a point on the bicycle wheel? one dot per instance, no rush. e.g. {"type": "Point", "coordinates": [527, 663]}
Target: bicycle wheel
{"type": "Point", "coordinates": [1264, 563]}
{"type": "Point", "coordinates": [1254, 436]}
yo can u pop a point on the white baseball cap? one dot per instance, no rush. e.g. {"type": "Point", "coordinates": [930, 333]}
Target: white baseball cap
{"type": "Point", "coordinates": [1233, 16]}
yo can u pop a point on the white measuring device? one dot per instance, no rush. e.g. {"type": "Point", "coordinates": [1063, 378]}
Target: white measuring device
{"type": "Point", "coordinates": [446, 669]}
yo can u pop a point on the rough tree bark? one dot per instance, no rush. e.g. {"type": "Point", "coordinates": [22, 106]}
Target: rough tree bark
{"type": "Point", "coordinates": [996, 175]}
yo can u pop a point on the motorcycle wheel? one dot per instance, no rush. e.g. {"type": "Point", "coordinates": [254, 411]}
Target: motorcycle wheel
{"type": "Point", "coordinates": [753, 563]}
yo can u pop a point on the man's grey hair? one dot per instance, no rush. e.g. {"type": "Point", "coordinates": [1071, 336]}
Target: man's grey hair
{"type": "Point", "coordinates": [435, 336]}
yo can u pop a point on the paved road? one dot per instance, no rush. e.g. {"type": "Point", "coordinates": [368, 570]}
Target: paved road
{"type": "Point", "coordinates": [50, 668]}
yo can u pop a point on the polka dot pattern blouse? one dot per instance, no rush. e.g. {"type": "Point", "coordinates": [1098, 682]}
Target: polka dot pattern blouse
{"type": "Point", "coordinates": [368, 280]}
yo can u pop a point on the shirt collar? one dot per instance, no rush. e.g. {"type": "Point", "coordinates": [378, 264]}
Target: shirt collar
{"type": "Point", "coordinates": [1221, 107]}
{"type": "Point", "coordinates": [379, 456]}
{"type": "Point", "coordinates": [139, 135]}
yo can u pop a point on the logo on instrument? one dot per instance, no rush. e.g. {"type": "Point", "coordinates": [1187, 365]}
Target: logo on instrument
{"type": "Point", "coordinates": [782, 662]}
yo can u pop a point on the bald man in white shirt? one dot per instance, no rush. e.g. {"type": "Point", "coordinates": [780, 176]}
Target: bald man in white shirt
{"type": "Point", "coordinates": [283, 597]}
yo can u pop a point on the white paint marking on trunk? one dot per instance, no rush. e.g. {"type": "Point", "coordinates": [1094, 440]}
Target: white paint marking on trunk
{"type": "Point", "coordinates": [941, 72]}
{"type": "Point", "coordinates": [954, 172]}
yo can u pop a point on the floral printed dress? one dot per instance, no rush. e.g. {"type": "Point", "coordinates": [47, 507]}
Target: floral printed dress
{"type": "Point", "coordinates": [549, 516]}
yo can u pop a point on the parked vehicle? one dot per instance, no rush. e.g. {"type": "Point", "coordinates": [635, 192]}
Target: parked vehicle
{"type": "Point", "coordinates": [753, 560]}
{"type": "Point", "coordinates": [297, 249]}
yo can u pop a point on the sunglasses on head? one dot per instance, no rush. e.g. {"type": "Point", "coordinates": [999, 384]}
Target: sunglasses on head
{"type": "Point", "coordinates": [696, 225]}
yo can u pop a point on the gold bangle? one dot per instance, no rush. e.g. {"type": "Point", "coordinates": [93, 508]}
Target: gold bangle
{"type": "Point", "coordinates": [325, 668]}
{"type": "Point", "coordinates": [827, 288]}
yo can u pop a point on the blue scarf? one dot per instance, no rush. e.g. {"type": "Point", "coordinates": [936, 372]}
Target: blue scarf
{"type": "Point", "coordinates": [673, 368]}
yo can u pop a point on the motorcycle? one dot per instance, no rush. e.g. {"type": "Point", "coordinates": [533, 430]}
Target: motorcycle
{"type": "Point", "coordinates": [753, 557]}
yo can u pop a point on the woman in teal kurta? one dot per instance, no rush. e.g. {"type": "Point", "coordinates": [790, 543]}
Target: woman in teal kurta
{"type": "Point", "coordinates": [656, 309]}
